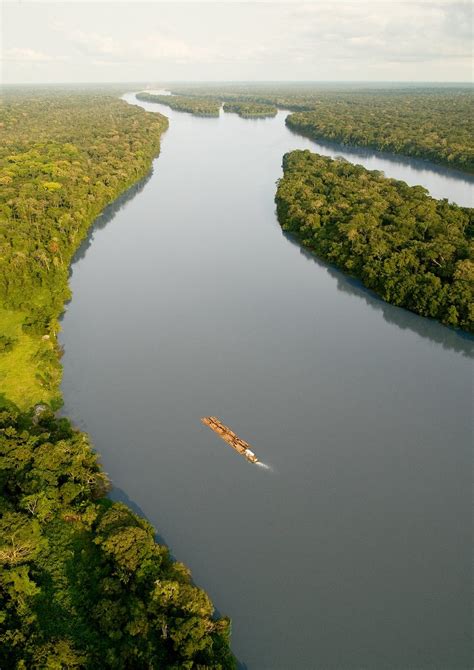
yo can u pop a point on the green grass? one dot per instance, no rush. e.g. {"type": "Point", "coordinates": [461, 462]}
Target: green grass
{"type": "Point", "coordinates": [23, 372]}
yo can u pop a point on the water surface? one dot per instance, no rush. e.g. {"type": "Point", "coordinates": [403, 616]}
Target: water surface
{"type": "Point", "coordinates": [354, 550]}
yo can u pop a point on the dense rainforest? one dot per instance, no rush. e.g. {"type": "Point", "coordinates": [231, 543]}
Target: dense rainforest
{"type": "Point", "coordinates": [63, 158]}
{"type": "Point", "coordinates": [210, 105]}
{"type": "Point", "coordinates": [196, 106]}
{"type": "Point", "coordinates": [250, 110]}
{"type": "Point", "coordinates": [413, 250]}
{"type": "Point", "coordinates": [440, 129]}
{"type": "Point", "coordinates": [433, 123]}
{"type": "Point", "coordinates": [83, 583]}
{"type": "Point", "coordinates": [430, 122]}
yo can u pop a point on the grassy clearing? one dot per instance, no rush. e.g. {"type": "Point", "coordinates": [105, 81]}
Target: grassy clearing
{"type": "Point", "coordinates": [23, 374]}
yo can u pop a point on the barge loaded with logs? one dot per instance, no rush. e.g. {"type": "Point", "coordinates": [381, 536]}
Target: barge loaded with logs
{"type": "Point", "coordinates": [242, 447]}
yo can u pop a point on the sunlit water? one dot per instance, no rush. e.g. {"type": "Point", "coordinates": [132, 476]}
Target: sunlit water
{"type": "Point", "coordinates": [353, 550]}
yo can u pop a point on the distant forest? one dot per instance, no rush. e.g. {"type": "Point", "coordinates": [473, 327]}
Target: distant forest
{"type": "Point", "coordinates": [438, 128]}
{"type": "Point", "coordinates": [196, 106]}
{"type": "Point", "coordinates": [413, 250]}
{"type": "Point", "coordinates": [434, 123]}
{"type": "Point", "coordinates": [250, 110]}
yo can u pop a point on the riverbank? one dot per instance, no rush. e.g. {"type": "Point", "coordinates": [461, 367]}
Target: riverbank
{"type": "Point", "coordinates": [64, 158]}
{"type": "Point", "coordinates": [250, 110]}
{"type": "Point", "coordinates": [83, 581]}
{"type": "Point", "coordinates": [361, 409]}
{"type": "Point", "coordinates": [414, 251]}
{"type": "Point", "coordinates": [309, 125]}
{"type": "Point", "coordinates": [196, 106]}
{"type": "Point", "coordinates": [425, 122]}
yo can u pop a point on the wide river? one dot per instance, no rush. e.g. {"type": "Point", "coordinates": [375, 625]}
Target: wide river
{"type": "Point", "coordinates": [353, 549]}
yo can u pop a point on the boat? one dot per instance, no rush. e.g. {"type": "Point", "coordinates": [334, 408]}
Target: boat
{"type": "Point", "coordinates": [228, 435]}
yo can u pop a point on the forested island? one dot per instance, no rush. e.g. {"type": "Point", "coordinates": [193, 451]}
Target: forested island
{"type": "Point", "coordinates": [83, 583]}
{"type": "Point", "coordinates": [196, 106]}
{"type": "Point", "coordinates": [250, 110]}
{"type": "Point", "coordinates": [436, 128]}
{"type": "Point", "coordinates": [413, 250]}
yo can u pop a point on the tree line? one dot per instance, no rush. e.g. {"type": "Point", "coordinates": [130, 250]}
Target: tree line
{"type": "Point", "coordinates": [429, 122]}
{"type": "Point", "coordinates": [63, 158]}
{"type": "Point", "coordinates": [250, 110]}
{"type": "Point", "coordinates": [439, 128]}
{"type": "Point", "coordinates": [413, 250]}
{"type": "Point", "coordinates": [196, 106]}
{"type": "Point", "coordinates": [83, 583]}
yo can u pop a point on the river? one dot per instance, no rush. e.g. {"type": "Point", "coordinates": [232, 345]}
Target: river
{"type": "Point", "coordinates": [353, 550]}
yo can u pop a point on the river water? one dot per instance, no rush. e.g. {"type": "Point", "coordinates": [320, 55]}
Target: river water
{"type": "Point", "coordinates": [353, 550]}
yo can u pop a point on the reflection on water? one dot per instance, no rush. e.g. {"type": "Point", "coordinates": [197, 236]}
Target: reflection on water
{"type": "Point", "coordinates": [109, 213]}
{"type": "Point", "coordinates": [119, 495]}
{"type": "Point", "coordinates": [416, 164]}
{"type": "Point", "coordinates": [456, 340]}
{"type": "Point", "coordinates": [354, 551]}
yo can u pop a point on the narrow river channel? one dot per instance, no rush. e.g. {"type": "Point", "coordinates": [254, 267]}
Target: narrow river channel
{"type": "Point", "coordinates": [353, 550]}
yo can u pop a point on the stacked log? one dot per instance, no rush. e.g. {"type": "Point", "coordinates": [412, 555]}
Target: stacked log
{"type": "Point", "coordinates": [228, 435]}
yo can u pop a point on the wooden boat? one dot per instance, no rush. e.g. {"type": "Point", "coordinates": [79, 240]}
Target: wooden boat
{"type": "Point", "coordinates": [228, 435]}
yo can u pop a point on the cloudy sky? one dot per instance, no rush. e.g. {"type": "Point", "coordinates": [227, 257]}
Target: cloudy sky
{"type": "Point", "coordinates": [341, 40]}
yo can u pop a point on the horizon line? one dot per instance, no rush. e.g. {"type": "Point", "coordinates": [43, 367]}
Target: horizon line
{"type": "Point", "coordinates": [242, 81]}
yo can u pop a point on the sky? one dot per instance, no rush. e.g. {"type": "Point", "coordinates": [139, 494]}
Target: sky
{"type": "Point", "coordinates": [323, 40]}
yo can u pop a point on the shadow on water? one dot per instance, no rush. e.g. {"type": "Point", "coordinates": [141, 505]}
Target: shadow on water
{"type": "Point", "coordinates": [448, 338]}
{"type": "Point", "coordinates": [418, 164]}
{"type": "Point", "coordinates": [108, 214]}
{"type": "Point", "coordinates": [118, 495]}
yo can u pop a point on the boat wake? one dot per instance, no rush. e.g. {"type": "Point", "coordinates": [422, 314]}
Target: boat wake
{"type": "Point", "coordinates": [264, 466]}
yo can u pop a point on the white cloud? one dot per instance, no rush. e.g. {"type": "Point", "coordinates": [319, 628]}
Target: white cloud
{"type": "Point", "coordinates": [94, 43]}
{"type": "Point", "coordinates": [156, 46]}
{"type": "Point", "coordinates": [17, 54]}
{"type": "Point", "coordinates": [417, 31]}
{"type": "Point", "coordinates": [323, 39]}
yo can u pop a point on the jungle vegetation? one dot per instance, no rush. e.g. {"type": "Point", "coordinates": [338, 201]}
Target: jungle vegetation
{"type": "Point", "coordinates": [413, 250]}
{"type": "Point", "coordinates": [440, 128]}
{"type": "Point", "coordinates": [83, 583]}
{"type": "Point", "coordinates": [196, 106]}
{"type": "Point", "coordinates": [63, 158]}
{"type": "Point", "coordinates": [428, 122]}
{"type": "Point", "coordinates": [250, 110]}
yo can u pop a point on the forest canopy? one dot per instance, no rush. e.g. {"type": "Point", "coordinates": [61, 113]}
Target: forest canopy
{"type": "Point", "coordinates": [196, 106]}
{"type": "Point", "coordinates": [83, 583]}
{"type": "Point", "coordinates": [429, 122]}
{"type": "Point", "coordinates": [437, 128]}
{"type": "Point", "coordinates": [413, 250]}
{"type": "Point", "coordinates": [250, 110]}
{"type": "Point", "coordinates": [63, 157]}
